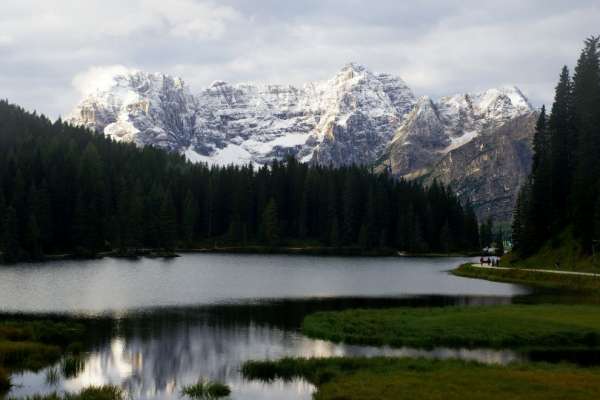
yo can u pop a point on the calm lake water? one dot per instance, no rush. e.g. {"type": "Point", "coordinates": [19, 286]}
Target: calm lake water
{"type": "Point", "coordinates": [173, 321]}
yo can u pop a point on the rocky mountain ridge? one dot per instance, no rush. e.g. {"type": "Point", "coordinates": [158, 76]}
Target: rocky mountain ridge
{"type": "Point", "coordinates": [356, 117]}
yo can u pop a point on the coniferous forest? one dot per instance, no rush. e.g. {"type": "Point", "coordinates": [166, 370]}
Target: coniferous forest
{"type": "Point", "coordinates": [562, 196]}
{"type": "Point", "coordinates": [66, 190]}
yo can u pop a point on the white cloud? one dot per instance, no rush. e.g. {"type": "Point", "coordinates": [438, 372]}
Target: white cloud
{"type": "Point", "coordinates": [98, 78]}
{"type": "Point", "coordinates": [6, 40]}
{"type": "Point", "coordinates": [437, 47]}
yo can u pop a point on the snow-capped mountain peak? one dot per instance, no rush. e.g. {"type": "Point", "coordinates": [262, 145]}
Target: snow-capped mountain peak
{"type": "Point", "coordinates": [356, 117]}
{"type": "Point", "coordinates": [350, 118]}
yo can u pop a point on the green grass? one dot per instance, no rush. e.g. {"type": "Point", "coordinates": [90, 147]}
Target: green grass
{"type": "Point", "coordinates": [565, 249]}
{"type": "Point", "coordinates": [407, 379]}
{"type": "Point", "coordinates": [72, 366]}
{"type": "Point", "coordinates": [27, 355]}
{"type": "Point", "coordinates": [514, 326]}
{"type": "Point", "coordinates": [206, 389]}
{"type": "Point", "coordinates": [107, 392]}
{"type": "Point", "coordinates": [548, 280]}
{"type": "Point", "coordinates": [33, 345]}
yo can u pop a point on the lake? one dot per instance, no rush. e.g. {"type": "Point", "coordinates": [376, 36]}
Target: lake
{"type": "Point", "coordinates": [173, 321]}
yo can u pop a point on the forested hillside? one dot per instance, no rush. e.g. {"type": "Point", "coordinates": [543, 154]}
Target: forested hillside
{"type": "Point", "coordinates": [562, 197]}
{"type": "Point", "coordinates": [67, 190]}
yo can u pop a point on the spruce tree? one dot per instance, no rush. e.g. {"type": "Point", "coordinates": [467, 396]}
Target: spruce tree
{"type": "Point", "coordinates": [188, 218]}
{"type": "Point", "coordinates": [270, 224]}
{"type": "Point", "coordinates": [11, 247]}
{"type": "Point", "coordinates": [168, 223]}
{"type": "Point", "coordinates": [562, 163]}
{"type": "Point", "coordinates": [541, 174]}
{"type": "Point", "coordinates": [586, 103]}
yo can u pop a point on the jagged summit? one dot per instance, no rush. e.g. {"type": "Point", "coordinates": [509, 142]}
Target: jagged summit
{"type": "Point", "coordinates": [356, 117]}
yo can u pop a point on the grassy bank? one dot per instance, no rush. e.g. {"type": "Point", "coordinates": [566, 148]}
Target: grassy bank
{"type": "Point", "coordinates": [33, 345]}
{"type": "Point", "coordinates": [515, 326]}
{"type": "Point", "coordinates": [107, 392]}
{"type": "Point", "coordinates": [392, 379]}
{"type": "Point", "coordinates": [532, 278]}
{"type": "Point", "coordinates": [564, 250]}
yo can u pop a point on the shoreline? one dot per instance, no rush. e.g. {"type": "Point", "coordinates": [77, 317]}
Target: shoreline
{"type": "Point", "coordinates": [569, 281]}
{"type": "Point", "coordinates": [288, 250]}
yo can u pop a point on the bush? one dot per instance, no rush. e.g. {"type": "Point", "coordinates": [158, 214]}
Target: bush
{"type": "Point", "coordinates": [206, 389]}
{"type": "Point", "coordinates": [4, 381]}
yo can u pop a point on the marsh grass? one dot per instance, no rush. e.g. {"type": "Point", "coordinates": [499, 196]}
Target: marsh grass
{"type": "Point", "coordinates": [402, 378]}
{"type": "Point", "coordinates": [4, 381]}
{"type": "Point", "coordinates": [107, 392]}
{"type": "Point", "coordinates": [27, 355]}
{"type": "Point", "coordinates": [206, 389]}
{"type": "Point", "coordinates": [72, 366]}
{"type": "Point", "coordinates": [52, 376]}
{"type": "Point", "coordinates": [35, 344]}
{"type": "Point", "coordinates": [512, 326]}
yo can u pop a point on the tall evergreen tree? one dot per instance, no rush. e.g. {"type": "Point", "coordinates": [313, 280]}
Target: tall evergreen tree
{"type": "Point", "coordinates": [11, 250]}
{"type": "Point", "coordinates": [541, 173]}
{"type": "Point", "coordinates": [586, 103]}
{"type": "Point", "coordinates": [560, 125]}
{"type": "Point", "coordinates": [270, 224]}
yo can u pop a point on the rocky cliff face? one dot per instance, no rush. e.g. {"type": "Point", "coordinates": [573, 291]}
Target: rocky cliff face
{"type": "Point", "coordinates": [478, 143]}
{"type": "Point", "coordinates": [347, 119]}
{"type": "Point", "coordinates": [357, 117]}
{"type": "Point", "coordinates": [489, 170]}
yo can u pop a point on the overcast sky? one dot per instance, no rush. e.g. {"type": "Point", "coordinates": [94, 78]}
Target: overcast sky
{"type": "Point", "coordinates": [48, 48]}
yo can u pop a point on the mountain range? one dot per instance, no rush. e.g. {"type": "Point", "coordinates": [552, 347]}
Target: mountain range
{"type": "Point", "coordinates": [478, 143]}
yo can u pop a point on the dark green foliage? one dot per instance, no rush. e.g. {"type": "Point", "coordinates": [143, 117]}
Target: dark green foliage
{"type": "Point", "coordinates": [486, 233]}
{"type": "Point", "coordinates": [4, 381]}
{"type": "Point", "coordinates": [485, 326]}
{"type": "Point", "coordinates": [35, 344]}
{"type": "Point", "coordinates": [206, 390]}
{"type": "Point", "coordinates": [564, 185]}
{"type": "Point", "coordinates": [270, 224]}
{"type": "Point", "coordinates": [389, 378]}
{"type": "Point", "coordinates": [65, 190]}
{"type": "Point", "coordinates": [106, 392]}
{"type": "Point", "coordinates": [71, 367]}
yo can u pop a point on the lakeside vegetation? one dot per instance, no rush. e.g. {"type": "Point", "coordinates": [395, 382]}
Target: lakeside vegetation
{"type": "Point", "coordinates": [395, 378]}
{"type": "Point", "coordinates": [546, 280]}
{"type": "Point", "coordinates": [512, 326]}
{"type": "Point", "coordinates": [565, 253]}
{"type": "Point", "coordinates": [34, 344]}
{"type": "Point", "coordinates": [107, 392]}
{"type": "Point", "coordinates": [206, 389]}
{"type": "Point", "coordinates": [67, 190]}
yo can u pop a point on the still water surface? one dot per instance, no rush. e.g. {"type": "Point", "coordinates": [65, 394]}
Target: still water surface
{"type": "Point", "coordinates": [204, 315]}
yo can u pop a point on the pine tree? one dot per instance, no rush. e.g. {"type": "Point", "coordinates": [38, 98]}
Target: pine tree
{"type": "Point", "coordinates": [586, 103]}
{"type": "Point", "coordinates": [445, 238]}
{"type": "Point", "coordinates": [11, 250]}
{"type": "Point", "coordinates": [562, 162]}
{"type": "Point", "coordinates": [541, 174]}
{"type": "Point", "coordinates": [168, 223]}
{"type": "Point", "coordinates": [32, 239]}
{"type": "Point", "coordinates": [189, 215]}
{"type": "Point", "coordinates": [270, 224]}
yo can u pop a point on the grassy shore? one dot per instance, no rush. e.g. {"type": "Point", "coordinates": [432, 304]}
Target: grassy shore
{"type": "Point", "coordinates": [33, 345]}
{"type": "Point", "coordinates": [107, 392]}
{"type": "Point", "coordinates": [514, 326]}
{"type": "Point", "coordinates": [393, 378]}
{"type": "Point", "coordinates": [540, 279]}
{"type": "Point", "coordinates": [563, 251]}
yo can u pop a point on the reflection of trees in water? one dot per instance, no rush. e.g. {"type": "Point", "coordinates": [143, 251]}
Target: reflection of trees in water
{"type": "Point", "coordinates": [171, 347]}
{"type": "Point", "coordinates": [180, 352]}
{"type": "Point", "coordinates": [151, 354]}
